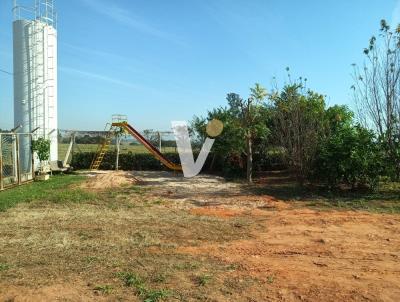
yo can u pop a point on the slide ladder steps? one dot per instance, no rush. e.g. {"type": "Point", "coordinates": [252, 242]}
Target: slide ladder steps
{"type": "Point", "coordinates": [101, 152]}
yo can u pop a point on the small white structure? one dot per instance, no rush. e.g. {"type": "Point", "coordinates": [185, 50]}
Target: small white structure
{"type": "Point", "coordinates": [35, 73]}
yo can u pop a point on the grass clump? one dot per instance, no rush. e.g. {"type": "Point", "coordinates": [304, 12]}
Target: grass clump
{"type": "Point", "coordinates": [270, 279]}
{"type": "Point", "coordinates": [138, 284]}
{"type": "Point", "coordinates": [4, 267]}
{"type": "Point", "coordinates": [203, 280]}
{"type": "Point", "coordinates": [104, 289]}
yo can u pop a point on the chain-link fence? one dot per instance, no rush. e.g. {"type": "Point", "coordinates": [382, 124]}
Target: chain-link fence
{"type": "Point", "coordinates": [15, 159]}
{"type": "Point", "coordinates": [71, 142]}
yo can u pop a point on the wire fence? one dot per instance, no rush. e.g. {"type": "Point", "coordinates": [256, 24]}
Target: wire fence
{"type": "Point", "coordinates": [16, 165]}
{"type": "Point", "coordinates": [71, 142]}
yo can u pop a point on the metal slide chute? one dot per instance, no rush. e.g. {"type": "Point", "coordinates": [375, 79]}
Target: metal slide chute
{"type": "Point", "coordinates": [153, 150]}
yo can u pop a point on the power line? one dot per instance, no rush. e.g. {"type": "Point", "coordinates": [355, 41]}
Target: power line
{"type": "Point", "coordinates": [6, 72]}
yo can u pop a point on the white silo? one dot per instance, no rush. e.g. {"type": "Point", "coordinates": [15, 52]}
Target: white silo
{"type": "Point", "coordinates": [35, 73]}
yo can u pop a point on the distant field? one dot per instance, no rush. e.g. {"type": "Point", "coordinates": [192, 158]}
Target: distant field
{"type": "Point", "coordinates": [62, 149]}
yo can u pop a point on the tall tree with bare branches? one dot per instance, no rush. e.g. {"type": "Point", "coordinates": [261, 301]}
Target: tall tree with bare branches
{"type": "Point", "coordinates": [377, 91]}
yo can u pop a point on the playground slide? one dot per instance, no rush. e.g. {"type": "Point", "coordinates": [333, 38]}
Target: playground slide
{"type": "Point", "coordinates": [153, 150]}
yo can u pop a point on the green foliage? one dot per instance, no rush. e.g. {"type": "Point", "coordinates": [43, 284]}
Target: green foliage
{"type": "Point", "coordinates": [131, 280]}
{"type": "Point", "coordinates": [249, 115]}
{"type": "Point", "coordinates": [42, 147]}
{"type": "Point", "coordinates": [228, 147]}
{"type": "Point", "coordinates": [86, 139]}
{"type": "Point", "coordinates": [104, 289]}
{"type": "Point", "coordinates": [297, 131]}
{"type": "Point", "coordinates": [4, 267]}
{"type": "Point", "coordinates": [338, 117]}
{"type": "Point", "coordinates": [127, 161]}
{"type": "Point", "coordinates": [390, 157]}
{"type": "Point", "coordinates": [349, 155]}
{"type": "Point", "coordinates": [203, 280]}
{"type": "Point", "coordinates": [245, 128]}
{"type": "Point", "coordinates": [298, 123]}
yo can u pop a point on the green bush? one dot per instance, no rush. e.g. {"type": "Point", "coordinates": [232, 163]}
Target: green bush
{"type": "Point", "coordinates": [42, 147]}
{"type": "Point", "coordinates": [350, 155]}
{"type": "Point", "coordinates": [270, 160]}
{"type": "Point", "coordinates": [127, 161]}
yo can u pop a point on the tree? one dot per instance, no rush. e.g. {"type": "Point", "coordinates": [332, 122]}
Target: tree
{"type": "Point", "coordinates": [152, 136]}
{"type": "Point", "coordinates": [42, 148]}
{"type": "Point", "coordinates": [228, 147]}
{"type": "Point", "coordinates": [244, 123]}
{"type": "Point", "coordinates": [298, 117]}
{"type": "Point", "coordinates": [377, 91]}
{"type": "Point", "coordinates": [248, 114]}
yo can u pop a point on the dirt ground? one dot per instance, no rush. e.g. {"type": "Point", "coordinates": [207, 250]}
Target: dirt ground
{"type": "Point", "coordinates": [102, 180]}
{"type": "Point", "coordinates": [210, 239]}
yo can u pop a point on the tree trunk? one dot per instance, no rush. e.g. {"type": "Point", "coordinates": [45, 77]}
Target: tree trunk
{"type": "Point", "coordinates": [213, 162]}
{"type": "Point", "coordinates": [249, 159]}
{"type": "Point", "coordinates": [118, 150]}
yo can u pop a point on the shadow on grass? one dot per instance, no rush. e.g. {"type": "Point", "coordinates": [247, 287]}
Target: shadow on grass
{"type": "Point", "coordinates": [280, 185]}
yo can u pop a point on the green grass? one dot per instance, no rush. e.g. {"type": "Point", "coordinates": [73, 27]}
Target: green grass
{"type": "Point", "coordinates": [104, 289]}
{"type": "Point", "coordinates": [270, 279]}
{"type": "Point", "coordinates": [4, 267]}
{"type": "Point", "coordinates": [203, 280]}
{"type": "Point", "coordinates": [57, 190]}
{"type": "Point", "coordinates": [138, 284]}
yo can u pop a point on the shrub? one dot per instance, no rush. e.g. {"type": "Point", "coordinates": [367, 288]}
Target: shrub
{"type": "Point", "coordinates": [127, 161]}
{"type": "Point", "coordinates": [42, 147]}
{"type": "Point", "coordinates": [350, 155]}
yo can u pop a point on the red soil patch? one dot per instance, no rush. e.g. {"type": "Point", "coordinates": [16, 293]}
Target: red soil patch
{"type": "Point", "coordinates": [216, 212]}
{"type": "Point", "coordinates": [305, 255]}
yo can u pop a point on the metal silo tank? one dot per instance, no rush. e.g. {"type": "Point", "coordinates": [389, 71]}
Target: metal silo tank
{"type": "Point", "coordinates": [22, 99]}
{"type": "Point", "coordinates": [35, 74]}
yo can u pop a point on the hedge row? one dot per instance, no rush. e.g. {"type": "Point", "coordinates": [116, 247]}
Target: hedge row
{"type": "Point", "coordinates": [127, 161]}
{"type": "Point", "coordinates": [146, 162]}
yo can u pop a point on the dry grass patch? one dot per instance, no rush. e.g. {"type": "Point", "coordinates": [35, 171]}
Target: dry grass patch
{"type": "Point", "coordinates": [172, 240]}
{"type": "Point", "coordinates": [87, 247]}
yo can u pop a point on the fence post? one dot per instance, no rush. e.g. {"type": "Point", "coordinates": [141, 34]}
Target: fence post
{"type": "Point", "coordinates": [17, 156]}
{"type": "Point", "coordinates": [33, 156]}
{"type": "Point", "coordinates": [1, 165]}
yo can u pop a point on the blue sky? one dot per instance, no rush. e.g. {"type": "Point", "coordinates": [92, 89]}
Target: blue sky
{"type": "Point", "coordinates": [158, 61]}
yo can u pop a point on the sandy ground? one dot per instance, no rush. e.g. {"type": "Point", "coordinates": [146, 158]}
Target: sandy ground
{"type": "Point", "coordinates": [294, 253]}
{"type": "Point", "coordinates": [318, 256]}
{"type": "Point", "coordinates": [102, 180]}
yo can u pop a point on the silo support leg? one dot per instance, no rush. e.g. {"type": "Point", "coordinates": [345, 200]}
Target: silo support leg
{"type": "Point", "coordinates": [1, 167]}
